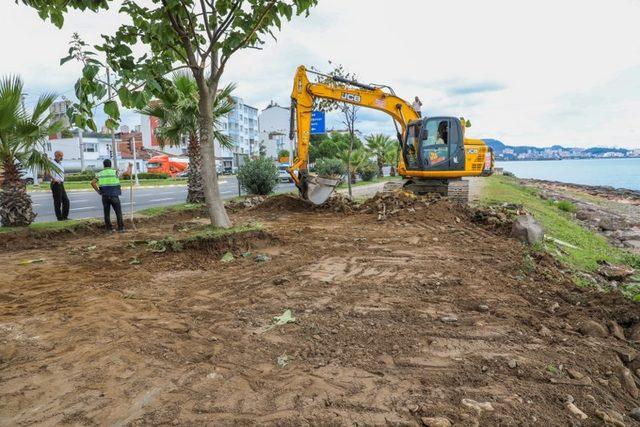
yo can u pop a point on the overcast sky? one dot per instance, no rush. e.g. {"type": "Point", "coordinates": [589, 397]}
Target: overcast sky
{"type": "Point", "coordinates": [528, 73]}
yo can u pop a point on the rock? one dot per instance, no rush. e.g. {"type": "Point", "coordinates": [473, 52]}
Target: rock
{"type": "Point", "coordinates": [576, 411]}
{"type": "Point", "coordinates": [570, 399]}
{"type": "Point", "coordinates": [513, 364]}
{"type": "Point", "coordinates": [484, 368]}
{"type": "Point", "coordinates": [573, 374]}
{"type": "Point", "coordinates": [436, 421]}
{"type": "Point", "coordinates": [634, 332]}
{"type": "Point", "coordinates": [449, 319]}
{"type": "Point", "coordinates": [635, 414]}
{"type": "Point", "coordinates": [553, 307]}
{"type": "Point", "coordinates": [616, 330]}
{"type": "Point", "coordinates": [278, 281]}
{"type": "Point", "coordinates": [611, 224]}
{"type": "Point", "coordinates": [545, 332]}
{"type": "Point", "coordinates": [262, 258]}
{"type": "Point", "coordinates": [615, 272]}
{"type": "Point", "coordinates": [610, 418]}
{"type": "Point", "coordinates": [527, 229]}
{"type": "Point", "coordinates": [592, 328]}
{"type": "Point", "coordinates": [477, 406]}
{"type": "Point", "coordinates": [483, 308]}
{"type": "Point", "coordinates": [626, 355]}
{"type": "Point", "coordinates": [627, 381]}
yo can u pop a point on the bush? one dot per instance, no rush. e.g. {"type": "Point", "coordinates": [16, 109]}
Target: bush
{"type": "Point", "coordinates": [368, 171]}
{"type": "Point", "coordinates": [283, 153]}
{"type": "Point", "coordinates": [567, 206]}
{"type": "Point", "coordinates": [330, 167]}
{"type": "Point", "coordinates": [147, 175]}
{"type": "Point", "coordinates": [259, 176]}
{"type": "Point", "coordinates": [84, 176]}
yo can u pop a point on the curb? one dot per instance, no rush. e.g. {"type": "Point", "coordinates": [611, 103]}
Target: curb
{"type": "Point", "coordinates": [46, 190]}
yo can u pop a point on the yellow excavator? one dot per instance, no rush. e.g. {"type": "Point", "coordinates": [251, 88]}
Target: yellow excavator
{"type": "Point", "coordinates": [433, 152]}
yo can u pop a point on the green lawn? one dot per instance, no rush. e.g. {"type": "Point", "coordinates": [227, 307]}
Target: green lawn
{"type": "Point", "coordinates": [559, 224]}
{"type": "Point", "coordinates": [82, 185]}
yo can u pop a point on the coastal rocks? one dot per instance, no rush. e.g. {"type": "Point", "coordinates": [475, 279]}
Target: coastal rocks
{"type": "Point", "coordinates": [527, 229]}
{"type": "Point", "coordinates": [614, 272]}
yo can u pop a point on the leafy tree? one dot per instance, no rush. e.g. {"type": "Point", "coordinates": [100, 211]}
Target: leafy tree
{"type": "Point", "coordinates": [177, 110]}
{"type": "Point", "coordinates": [331, 145]}
{"type": "Point", "coordinates": [199, 35]}
{"type": "Point", "coordinates": [330, 167]}
{"type": "Point", "coordinates": [22, 137]}
{"type": "Point", "coordinates": [258, 176]}
{"type": "Point", "coordinates": [379, 145]}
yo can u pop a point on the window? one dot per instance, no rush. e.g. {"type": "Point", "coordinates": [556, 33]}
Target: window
{"type": "Point", "coordinates": [437, 132]}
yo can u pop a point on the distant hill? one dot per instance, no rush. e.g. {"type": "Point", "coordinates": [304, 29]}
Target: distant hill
{"type": "Point", "coordinates": [497, 146]}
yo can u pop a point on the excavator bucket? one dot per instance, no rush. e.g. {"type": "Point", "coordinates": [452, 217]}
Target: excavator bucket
{"type": "Point", "coordinates": [319, 189]}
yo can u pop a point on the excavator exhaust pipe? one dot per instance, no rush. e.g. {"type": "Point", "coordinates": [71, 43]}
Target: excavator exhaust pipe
{"type": "Point", "coordinates": [320, 189]}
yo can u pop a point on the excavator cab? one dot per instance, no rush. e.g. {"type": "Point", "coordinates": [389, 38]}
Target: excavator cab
{"type": "Point", "coordinates": [434, 144]}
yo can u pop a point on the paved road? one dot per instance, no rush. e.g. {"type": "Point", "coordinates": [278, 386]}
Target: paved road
{"type": "Point", "coordinates": [87, 204]}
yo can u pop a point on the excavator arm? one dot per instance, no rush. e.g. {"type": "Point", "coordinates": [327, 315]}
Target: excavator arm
{"type": "Point", "coordinates": [302, 96]}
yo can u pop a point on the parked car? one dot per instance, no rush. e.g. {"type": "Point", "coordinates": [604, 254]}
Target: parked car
{"type": "Point", "coordinates": [283, 173]}
{"type": "Point", "coordinates": [27, 176]}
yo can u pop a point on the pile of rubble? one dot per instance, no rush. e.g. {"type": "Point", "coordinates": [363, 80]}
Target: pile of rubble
{"type": "Point", "coordinates": [499, 217]}
{"type": "Point", "coordinates": [245, 202]}
{"type": "Point", "coordinates": [389, 203]}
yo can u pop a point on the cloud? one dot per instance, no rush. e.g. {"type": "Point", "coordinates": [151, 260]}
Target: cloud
{"type": "Point", "coordinates": [474, 88]}
{"type": "Point", "coordinates": [526, 73]}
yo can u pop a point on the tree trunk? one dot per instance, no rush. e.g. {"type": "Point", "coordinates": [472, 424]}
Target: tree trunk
{"type": "Point", "coordinates": [16, 209]}
{"type": "Point", "coordinates": [215, 206]}
{"type": "Point", "coordinates": [380, 164]}
{"type": "Point", "coordinates": [349, 163]}
{"type": "Point", "coordinates": [195, 183]}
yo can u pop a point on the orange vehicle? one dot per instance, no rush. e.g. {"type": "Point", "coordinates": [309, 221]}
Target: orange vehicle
{"type": "Point", "coordinates": [166, 164]}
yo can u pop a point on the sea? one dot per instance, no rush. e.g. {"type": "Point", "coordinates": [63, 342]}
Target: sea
{"type": "Point", "coordinates": [617, 173]}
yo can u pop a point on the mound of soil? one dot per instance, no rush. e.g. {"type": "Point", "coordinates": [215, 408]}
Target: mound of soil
{"type": "Point", "coordinates": [332, 319]}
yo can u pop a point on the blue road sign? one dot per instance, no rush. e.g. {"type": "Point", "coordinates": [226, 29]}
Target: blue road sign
{"type": "Point", "coordinates": [317, 122]}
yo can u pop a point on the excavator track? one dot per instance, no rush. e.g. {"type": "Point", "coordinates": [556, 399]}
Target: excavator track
{"type": "Point", "coordinates": [455, 189]}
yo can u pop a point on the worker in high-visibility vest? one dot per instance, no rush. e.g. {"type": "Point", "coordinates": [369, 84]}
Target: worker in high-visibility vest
{"type": "Point", "coordinates": [107, 184]}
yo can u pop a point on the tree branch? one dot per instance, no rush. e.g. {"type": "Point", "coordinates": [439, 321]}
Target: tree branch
{"type": "Point", "coordinates": [246, 40]}
{"type": "Point", "coordinates": [206, 20]}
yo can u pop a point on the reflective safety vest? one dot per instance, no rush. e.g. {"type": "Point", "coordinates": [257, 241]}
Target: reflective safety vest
{"type": "Point", "coordinates": [109, 182]}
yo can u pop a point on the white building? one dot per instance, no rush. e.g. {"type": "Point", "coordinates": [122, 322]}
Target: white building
{"type": "Point", "coordinates": [241, 125]}
{"type": "Point", "coordinates": [97, 147]}
{"type": "Point", "coordinates": [59, 112]}
{"type": "Point", "coordinates": [273, 123]}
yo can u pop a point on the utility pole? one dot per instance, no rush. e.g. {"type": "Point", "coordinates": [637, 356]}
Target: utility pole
{"type": "Point", "coordinates": [114, 146]}
{"type": "Point", "coordinates": [81, 144]}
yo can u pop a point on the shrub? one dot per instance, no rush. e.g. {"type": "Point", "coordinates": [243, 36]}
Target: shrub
{"type": "Point", "coordinates": [567, 206]}
{"type": "Point", "coordinates": [368, 171]}
{"type": "Point", "coordinates": [283, 153]}
{"type": "Point", "coordinates": [259, 176]}
{"type": "Point", "coordinates": [330, 167]}
{"type": "Point", "coordinates": [84, 176]}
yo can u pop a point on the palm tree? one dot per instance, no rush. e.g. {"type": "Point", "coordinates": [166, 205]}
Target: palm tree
{"type": "Point", "coordinates": [392, 157]}
{"type": "Point", "coordinates": [22, 138]}
{"type": "Point", "coordinates": [353, 161]}
{"type": "Point", "coordinates": [177, 110]}
{"type": "Point", "coordinates": [379, 145]}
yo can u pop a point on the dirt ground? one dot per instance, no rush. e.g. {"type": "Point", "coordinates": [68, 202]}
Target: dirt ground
{"type": "Point", "coordinates": [401, 315]}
